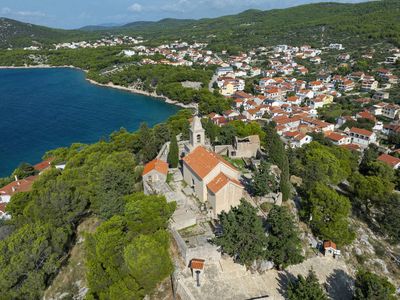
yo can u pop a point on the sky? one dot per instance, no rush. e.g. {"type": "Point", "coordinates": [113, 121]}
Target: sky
{"type": "Point", "coordinates": [77, 13]}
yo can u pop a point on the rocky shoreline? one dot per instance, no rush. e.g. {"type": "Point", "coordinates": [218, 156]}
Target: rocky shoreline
{"type": "Point", "coordinates": [110, 85]}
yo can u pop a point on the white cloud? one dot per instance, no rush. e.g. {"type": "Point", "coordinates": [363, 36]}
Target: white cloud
{"type": "Point", "coordinates": [21, 13]}
{"type": "Point", "coordinates": [136, 7]}
{"type": "Point", "coordinates": [30, 13]}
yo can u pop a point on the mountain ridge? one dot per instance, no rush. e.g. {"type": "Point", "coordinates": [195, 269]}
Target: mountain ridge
{"type": "Point", "coordinates": [318, 22]}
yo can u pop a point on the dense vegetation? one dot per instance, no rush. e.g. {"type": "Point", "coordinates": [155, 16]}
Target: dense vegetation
{"type": "Point", "coordinates": [307, 288]}
{"type": "Point", "coordinates": [18, 34]}
{"type": "Point", "coordinates": [128, 255]}
{"type": "Point", "coordinates": [102, 179]}
{"type": "Point", "coordinates": [322, 22]}
{"type": "Point", "coordinates": [244, 236]}
{"type": "Point", "coordinates": [370, 286]}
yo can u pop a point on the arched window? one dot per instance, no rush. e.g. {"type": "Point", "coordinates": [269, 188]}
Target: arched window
{"type": "Point", "coordinates": [199, 138]}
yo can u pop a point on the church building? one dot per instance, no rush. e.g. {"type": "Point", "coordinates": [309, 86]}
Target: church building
{"type": "Point", "coordinates": [214, 180]}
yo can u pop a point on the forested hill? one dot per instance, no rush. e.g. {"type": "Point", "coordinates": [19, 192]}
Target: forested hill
{"type": "Point", "coordinates": [312, 23]}
{"type": "Point", "coordinates": [18, 34]}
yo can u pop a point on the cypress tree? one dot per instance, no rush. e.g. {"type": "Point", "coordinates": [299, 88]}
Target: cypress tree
{"type": "Point", "coordinates": [173, 155]}
{"type": "Point", "coordinates": [276, 154]}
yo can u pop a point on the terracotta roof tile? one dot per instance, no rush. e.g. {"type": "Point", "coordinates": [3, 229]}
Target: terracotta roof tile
{"type": "Point", "coordinates": [156, 164]}
{"type": "Point", "coordinates": [361, 131]}
{"type": "Point", "coordinates": [197, 264]}
{"type": "Point", "coordinates": [201, 161]}
{"type": "Point", "coordinates": [388, 159]}
{"type": "Point", "coordinates": [220, 181]}
{"type": "Point", "coordinates": [329, 244]}
{"type": "Point", "coordinates": [23, 185]}
{"type": "Point", "coordinates": [43, 165]}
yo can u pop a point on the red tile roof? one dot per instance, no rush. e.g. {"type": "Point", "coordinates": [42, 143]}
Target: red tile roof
{"type": "Point", "coordinates": [361, 131]}
{"type": "Point", "coordinates": [388, 159]}
{"type": "Point", "coordinates": [197, 264]}
{"type": "Point", "coordinates": [3, 207]}
{"type": "Point", "coordinates": [201, 161]}
{"type": "Point", "coordinates": [329, 244]}
{"type": "Point", "coordinates": [220, 181]}
{"type": "Point", "coordinates": [156, 164]}
{"type": "Point", "coordinates": [23, 185]}
{"type": "Point", "coordinates": [43, 165]}
{"type": "Point", "coordinates": [334, 136]}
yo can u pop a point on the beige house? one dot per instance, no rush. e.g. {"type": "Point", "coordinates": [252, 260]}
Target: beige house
{"type": "Point", "coordinates": [154, 174]}
{"type": "Point", "coordinates": [213, 179]}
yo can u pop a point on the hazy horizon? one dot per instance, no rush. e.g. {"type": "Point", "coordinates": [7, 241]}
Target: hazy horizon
{"type": "Point", "coordinates": [76, 13]}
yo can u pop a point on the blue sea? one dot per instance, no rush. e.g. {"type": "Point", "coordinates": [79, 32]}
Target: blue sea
{"type": "Point", "coordinates": [43, 109]}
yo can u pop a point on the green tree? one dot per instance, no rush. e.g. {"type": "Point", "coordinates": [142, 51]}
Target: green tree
{"type": "Point", "coordinates": [320, 164]}
{"type": "Point", "coordinates": [243, 234]}
{"type": "Point", "coordinates": [148, 145]}
{"type": "Point", "coordinates": [369, 286]}
{"type": "Point", "coordinates": [389, 217]}
{"type": "Point", "coordinates": [264, 181]}
{"type": "Point", "coordinates": [148, 259]}
{"type": "Point", "coordinates": [306, 288]}
{"type": "Point", "coordinates": [24, 170]}
{"type": "Point", "coordinates": [369, 191]}
{"type": "Point", "coordinates": [29, 258]}
{"type": "Point", "coordinates": [276, 154]}
{"type": "Point", "coordinates": [328, 213]}
{"type": "Point", "coordinates": [283, 242]}
{"type": "Point", "coordinates": [227, 134]}
{"type": "Point", "coordinates": [173, 154]}
{"type": "Point", "coordinates": [113, 178]}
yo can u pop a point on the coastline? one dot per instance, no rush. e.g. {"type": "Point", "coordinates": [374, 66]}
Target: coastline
{"type": "Point", "coordinates": [144, 93]}
{"type": "Point", "coordinates": [108, 85]}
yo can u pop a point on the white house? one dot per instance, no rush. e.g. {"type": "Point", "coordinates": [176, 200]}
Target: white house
{"type": "Point", "coordinates": [362, 137]}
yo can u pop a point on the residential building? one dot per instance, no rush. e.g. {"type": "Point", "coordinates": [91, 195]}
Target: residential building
{"type": "Point", "coordinates": [362, 137]}
{"type": "Point", "coordinates": [154, 173]}
{"type": "Point", "coordinates": [392, 161]}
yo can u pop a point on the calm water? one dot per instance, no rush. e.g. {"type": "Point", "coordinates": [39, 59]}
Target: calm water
{"type": "Point", "coordinates": [43, 109]}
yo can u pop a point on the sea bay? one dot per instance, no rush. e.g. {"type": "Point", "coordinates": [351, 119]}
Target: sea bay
{"type": "Point", "coordinates": [43, 109]}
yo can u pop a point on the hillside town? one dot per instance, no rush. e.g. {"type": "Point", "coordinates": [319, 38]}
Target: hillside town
{"type": "Point", "coordinates": [267, 86]}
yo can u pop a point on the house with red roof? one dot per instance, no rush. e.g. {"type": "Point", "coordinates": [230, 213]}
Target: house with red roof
{"type": "Point", "coordinates": [154, 176]}
{"type": "Point", "coordinates": [330, 249]}
{"type": "Point", "coordinates": [338, 139]}
{"type": "Point", "coordinates": [296, 139]}
{"type": "Point", "coordinates": [362, 137]}
{"type": "Point", "coordinates": [44, 165]}
{"type": "Point", "coordinates": [17, 186]}
{"type": "Point", "coordinates": [390, 160]}
{"type": "Point", "coordinates": [22, 185]}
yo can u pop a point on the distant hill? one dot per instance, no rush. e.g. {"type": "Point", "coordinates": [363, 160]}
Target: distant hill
{"type": "Point", "coordinates": [18, 34]}
{"type": "Point", "coordinates": [317, 24]}
{"type": "Point", "coordinates": [312, 23]}
{"type": "Point", "coordinates": [100, 27]}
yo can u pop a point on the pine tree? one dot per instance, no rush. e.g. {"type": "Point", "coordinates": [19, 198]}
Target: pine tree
{"type": "Point", "coordinates": [243, 234]}
{"type": "Point", "coordinates": [370, 286]}
{"type": "Point", "coordinates": [173, 155]}
{"type": "Point", "coordinates": [147, 143]}
{"type": "Point", "coordinates": [264, 181]}
{"type": "Point", "coordinates": [284, 245]}
{"type": "Point", "coordinates": [306, 288]}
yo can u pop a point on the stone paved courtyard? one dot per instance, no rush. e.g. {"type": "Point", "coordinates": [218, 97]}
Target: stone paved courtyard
{"type": "Point", "coordinates": [227, 280]}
